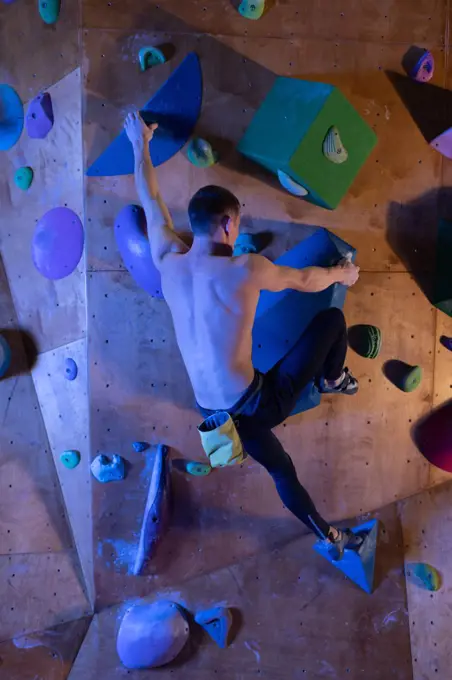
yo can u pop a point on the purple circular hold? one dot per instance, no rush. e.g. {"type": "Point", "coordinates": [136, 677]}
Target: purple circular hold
{"type": "Point", "coordinates": [133, 244]}
{"type": "Point", "coordinates": [57, 243]}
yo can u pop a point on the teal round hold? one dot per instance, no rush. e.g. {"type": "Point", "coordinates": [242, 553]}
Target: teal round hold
{"type": "Point", "coordinates": [5, 356]}
{"type": "Point", "coordinates": [70, 459]}
{"type": "Point", "coordinates": [198, 469]}
{"type": "Point", "coordinates": [23, 177]}
{"type": "Point", "coordinates": [49, 10]}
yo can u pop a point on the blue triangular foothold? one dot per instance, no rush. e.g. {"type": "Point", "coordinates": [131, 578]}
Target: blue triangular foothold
{"type": "Point", "coordinates": [359, 565]}
{"type": "Point", "coordinates": [176, 107]}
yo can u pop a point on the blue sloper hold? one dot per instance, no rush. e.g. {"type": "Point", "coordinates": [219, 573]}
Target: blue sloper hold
{"type": "Point", "coordinates": [176, 107]}
{"type": "Point", "coordinates": [282, 317]}
{"type": "Point", "coordinates": [358, 566]}
{"type": "Point", "coordinates": [11, 117]}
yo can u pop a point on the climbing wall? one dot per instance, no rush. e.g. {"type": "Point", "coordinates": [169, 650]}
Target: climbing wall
{"type": "Point", "coordinates": [45, 590]}
{"type": "Point", "coordinates": [230, 538]}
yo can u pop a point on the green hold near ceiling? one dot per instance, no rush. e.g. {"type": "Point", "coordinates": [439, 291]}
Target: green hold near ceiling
{"type": "Point", "coordinates": [200, 153]}
{"type": "Point", "coordinates": [49, 10]}
{"type": "Point", "coordinates": [23, 178]}
{"type": "Point", "coordinates": [70, 459]}
{"type": "Point", "coordinates": [149, 57]}
{"type": "Point", "coordinates": [252, 9]}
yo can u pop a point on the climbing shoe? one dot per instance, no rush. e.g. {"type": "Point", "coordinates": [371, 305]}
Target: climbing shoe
{"type": "Point", "coordinates": [346, 540]}
{"type": "Point", "coordinates": [348, 385]}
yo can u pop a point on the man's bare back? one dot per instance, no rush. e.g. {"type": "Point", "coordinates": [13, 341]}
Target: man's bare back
{"type": "Point", "coordinates": [213, 301]}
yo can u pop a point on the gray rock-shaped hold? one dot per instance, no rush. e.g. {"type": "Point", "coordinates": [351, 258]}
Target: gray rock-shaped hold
{"type": "Point", "coordinates": [106, 470]}
{"type": "Point", "coordinates": [39, 119]}
{"type": "Point", "coordinates": [152, 634]}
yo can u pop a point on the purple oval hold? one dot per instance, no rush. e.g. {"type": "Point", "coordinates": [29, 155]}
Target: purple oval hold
{"type": "Point", "coordinates": [57, 243]}
{"type": "Point", "coordinates": [133, 244]}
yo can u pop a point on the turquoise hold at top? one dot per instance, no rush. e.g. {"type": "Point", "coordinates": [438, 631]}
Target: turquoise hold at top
{"type": "Point", "coordinates": [23, 178]}
{"type": "Point", "coordinates": [11, 117]}
{"type": "Point", "coordinates": [49, 10]}
{"type": "Point", "coordinates": [70, 459]}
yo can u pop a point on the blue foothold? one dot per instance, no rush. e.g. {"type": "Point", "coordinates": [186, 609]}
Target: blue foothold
{"type": "Point", "coordinates": [358, 565]}
{"type": "Point", "coordinates": [139, 447]}
{"type": "Point", "coordinates": [5, 356]}
{"type": "Point", "coordinates": [71, 369]}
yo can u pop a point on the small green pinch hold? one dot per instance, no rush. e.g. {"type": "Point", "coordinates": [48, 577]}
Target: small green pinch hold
{"type": "Point", "coordinates": [70, 459]}
{"type": "Point", "coordinates": [333, 149]}
{"type": "Point", "coordinates": [252, 9]}
{"type": "Point", "coordinates": [149, 57]}
{"type": "Point", "coordinates": [412, 379]}
{"type": "Point", "coordinates": [49, 10]}
{"type": "Point", "coordinates": [200, 153]}
{"type": "Point", "coordinates": [197, 469]}
{"type": "Point", "coordinates": [23, 177]}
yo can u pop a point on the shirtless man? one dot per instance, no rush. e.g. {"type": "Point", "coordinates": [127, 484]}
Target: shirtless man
{"type": "Point", "coordinates": [213, 298]}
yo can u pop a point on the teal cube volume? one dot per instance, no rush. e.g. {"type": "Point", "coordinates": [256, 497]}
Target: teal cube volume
{"type": "Point", "coordinates": [288, 131]}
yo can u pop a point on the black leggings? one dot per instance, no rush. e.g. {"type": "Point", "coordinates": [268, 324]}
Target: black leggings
{"type": "Point", "coordinates": [320, 352]}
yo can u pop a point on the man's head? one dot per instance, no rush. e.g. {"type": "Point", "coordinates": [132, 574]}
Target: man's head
{"type": "Point", "coordinates": [214, 212]}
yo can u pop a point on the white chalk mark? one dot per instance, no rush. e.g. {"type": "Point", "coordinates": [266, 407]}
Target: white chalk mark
{"type": "Point", "coordinates": [253, 647]}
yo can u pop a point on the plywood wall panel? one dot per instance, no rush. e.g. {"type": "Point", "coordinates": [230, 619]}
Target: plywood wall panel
{"type": "Point", "coordinates": [389, 20]}
{"type": "Point", "coordinates": [34, 55]}
{"type": "Point", "coordinates": [389, 213]}
{"type": "Point", "coordinates": [52, 311]}
{"type": "Point", "coordinates": [47, 654]}
{"type": "Point", "coordinates": [64, 407]}
{"type": "Point", "coordinates": [39, 591]}
{"type": "Point", "coordinates": [426, 520]}
{"type": "Point", "coordinates": [295, 617]}
{"type": "Point", "coordinates": [32, 516]}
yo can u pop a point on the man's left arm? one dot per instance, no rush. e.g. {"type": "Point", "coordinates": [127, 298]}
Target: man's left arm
{"type": "Point", "coordinates": [162, 236]}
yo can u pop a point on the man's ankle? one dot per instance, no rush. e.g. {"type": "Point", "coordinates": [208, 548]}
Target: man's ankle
{"type": "Point", "coordinates": [337, 382]}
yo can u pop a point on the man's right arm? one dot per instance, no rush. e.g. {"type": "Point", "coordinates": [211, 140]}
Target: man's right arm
{"type": "Point", "coordinates": [275, 278]}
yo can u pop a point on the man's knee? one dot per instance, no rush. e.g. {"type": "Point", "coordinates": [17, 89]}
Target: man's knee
{"type": "Point", "coordinates": [333, 317]}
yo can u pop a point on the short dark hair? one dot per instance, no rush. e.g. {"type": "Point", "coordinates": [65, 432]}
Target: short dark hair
{"type": "Point", "coordinates": [208, 206]}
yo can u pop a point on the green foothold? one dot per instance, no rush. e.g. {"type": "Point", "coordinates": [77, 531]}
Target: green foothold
{"type": "Point", "coordinates": [149, 57]}
{"type": "Point", "coordinates": [412, 379]}
{"type": "Point", "coordinates": [70, 459]}
{"type": "Point", "coordinates": [200, 153]}
{"type": "Point", "coordinates": [23, 178]}
{"type": "Point", "coordinates": [49, 10]}
{"type": "Point", "coordinates": [365, 340]}
{"type": "Point", "coordinates": [374, 342]}
{"type": "Point", "coordinates": [198, 469]}
{"type": "Point", "coordinates": [333, 148]}
{"type": "Point", "coordinates": [252, 9]}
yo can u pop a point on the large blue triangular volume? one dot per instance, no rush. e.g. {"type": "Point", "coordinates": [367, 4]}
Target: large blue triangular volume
{"type": "Point", "coordinates": [176, 107]}
{"type": "Point", "coordinates": [358, 566]}
{"type": "Point", "coordinates": [282, 317]}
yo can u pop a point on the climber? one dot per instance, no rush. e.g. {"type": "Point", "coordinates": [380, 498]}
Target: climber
{"type": "Point", "coordinates": [213, 297]}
